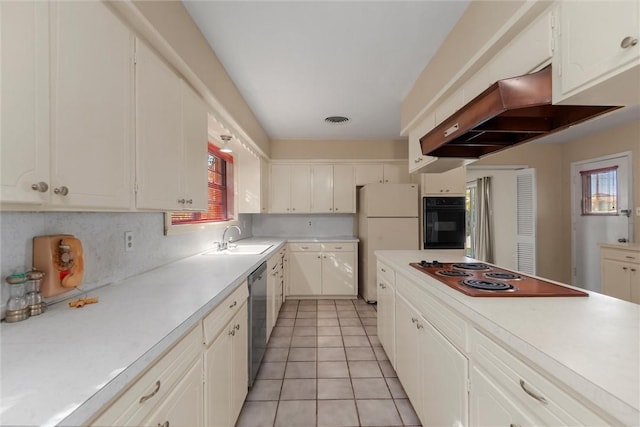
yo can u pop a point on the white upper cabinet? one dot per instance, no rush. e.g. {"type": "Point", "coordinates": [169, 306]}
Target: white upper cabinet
{"type": "Point", "coordinates": [416, 159]}
{"type": "Point", "coordinates": [344, 189]}
{"type": "Point", "coordinates": [171, 138]}
{"type": "Point", "coordinates": [253, 179]}
{"type": "Point", "coordinates": [322, 189]}
{"type": "Point", "coordinates": [194, 160]}
{"type": "Point", "coordinates": [24, 102]}
{"type": "Point", "coordinates": [381, 173]}
{"type": "Point", "coordinates": [66, 130]}
{"type": "Point", "coordinates": [450, 183]}
{"type": "Point", "coordinates": [597, 56]}
{"type": "Point", "coordinates": [91, 141]}
{"type": "Point", "coordinates": [290, 186]}
{"type": "Point", "coordinates": [158, 132]}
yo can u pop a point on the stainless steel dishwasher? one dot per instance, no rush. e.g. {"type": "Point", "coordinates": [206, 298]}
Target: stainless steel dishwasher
{"type": "Point", "coordinates": [257, 319]}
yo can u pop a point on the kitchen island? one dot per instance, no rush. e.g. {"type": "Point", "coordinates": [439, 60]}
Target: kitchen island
{"type": "Point", "coordinates": [579, 356]}
{"type": "Point", "coordinates": [66, 366]}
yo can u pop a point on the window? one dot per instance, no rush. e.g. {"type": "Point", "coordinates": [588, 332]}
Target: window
{"type": "Point", "coordinates": [471, 215]}
{"type": "Point", "coordinates": [600, 191]}
{"type": "Point", "coordinates": [220, 194]}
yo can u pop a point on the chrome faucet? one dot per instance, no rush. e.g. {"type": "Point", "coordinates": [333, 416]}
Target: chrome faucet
{"type": "Point", "coordinates": [225, 244]}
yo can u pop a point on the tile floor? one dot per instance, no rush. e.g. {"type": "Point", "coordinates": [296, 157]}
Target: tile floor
{"type": "Point", "coordinates": [324, 366]}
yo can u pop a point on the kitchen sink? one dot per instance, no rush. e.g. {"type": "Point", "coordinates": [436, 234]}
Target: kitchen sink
{"type": "Point", "coordinates": [241, 250]}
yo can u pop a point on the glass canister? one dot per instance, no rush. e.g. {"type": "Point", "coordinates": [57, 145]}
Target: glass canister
{"type": "Point", "coordinates": [17, 308]}
{"type": "Point", "coordinates": [34, 299]}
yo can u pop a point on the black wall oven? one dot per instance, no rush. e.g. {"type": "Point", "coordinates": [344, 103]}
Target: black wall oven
{"type": "Point", "coordinates": [443, 222]}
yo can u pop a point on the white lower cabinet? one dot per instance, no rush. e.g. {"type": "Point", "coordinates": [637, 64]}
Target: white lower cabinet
{"type": "Point", "coordinates": [455, 375]}
{"type": "Point", "coordinates": [226, 360]}
{"type": "Point", "coordinates": [171, 391]}
{"type": "Point", "coordinates": [275, 282]}
{"type": "Point", "coordinates": [184, 407]}
{"type": "Point", "coordinates": [201, 381]}
{"type": "Point", "coordinates": [316, 269]}
{"type": "Point", "coordinates": [387, 311]}
{"type": "Point", "coordinates": [620, 273]}
{"type": "Point", "coordinates": [432, 371]}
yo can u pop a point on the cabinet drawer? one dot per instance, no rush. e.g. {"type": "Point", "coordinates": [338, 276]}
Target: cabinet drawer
{"type": "Point", "coordinates": [387, 273]}
{"type": "Point", "coordinates": [621, 255]}
{"type": "Point", "coordinates": [305, 247]}
{"type": "Point", "coordinates": [453, 327]}
{"type": "Point", "coordinates": [215, 321]}
{"type": "Point", "coordinates": [151, 389]}
{"type": "Point", "coordinates": [527, 388]}
{"type": "Point", "coordinates": [337, 247]}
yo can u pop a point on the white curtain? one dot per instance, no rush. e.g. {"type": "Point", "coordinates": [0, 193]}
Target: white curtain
{"type": "Point", "coordinates": [483, 244]}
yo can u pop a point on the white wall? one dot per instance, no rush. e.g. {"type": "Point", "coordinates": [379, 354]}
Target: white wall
{"type": "Point", "coordinates": [102, 236]}
{"type": "Point", "coordinates": [503, 211]}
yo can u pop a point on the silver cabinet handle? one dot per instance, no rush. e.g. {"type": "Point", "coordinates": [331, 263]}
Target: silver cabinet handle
{"type": "Point", "coordinates": [514, 425]}
{"type": "Point", "coordinates": [237, 327]}
{"type": "Point", "coordinates": [234, 304]}
{"type": "Point", "coordinates": [232, 332]}
{"type": "Point", "coordinates": [414, 320]}
{"type": "Point", "coordinates": [630, 257]}
{"type": "Point", "coordinates": [418, 160]}
{"type": "Point", "coordinates": [633, 269]}
{"type": "Point", "coordinates": [41, 187]}
{"type": "Point", "coordinates": [628, 42]}
{"type": "Point", "coordinates": [304, 247]}
{"type": "Point", "coordinates": [319, 257]}
{"type": "Point", "coordinates": [383, 270]}
{"type": "Point", "coordinates": [189, 202]}
{"type": "Point", "coordinates": [338, 247]}
{"type": "Point", "coordinates": [61, 191]}
{"type": "Point", "coordinates": [419, 326]}
{"type": "Point", "coordinates": [150, 395]}
{"type": "Point", "coordinates": [336, 209]}
{"type": "Point", "coordinates": [532, 394]}
{"type": "Point", "coordinates": [383, 286]}
{"type": "Point", "coordinates": [624, 268]}
{"type": "Point", "coordinates": [181, 201]}
{"type": "Point", "coordinates": [164, 424]}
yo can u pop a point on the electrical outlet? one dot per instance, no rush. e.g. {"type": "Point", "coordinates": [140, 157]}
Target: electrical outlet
{"type": "Point", "coordinates": [128, 241]}
{"type": "Point", "coordinates": [637, 211]}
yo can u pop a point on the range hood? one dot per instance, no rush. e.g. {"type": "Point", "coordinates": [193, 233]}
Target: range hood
{"type": "Point", "coordinates": [510, 112]}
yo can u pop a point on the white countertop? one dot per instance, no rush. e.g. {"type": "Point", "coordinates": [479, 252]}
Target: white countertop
{"type": "Point", "coordinates": [63, 366]}
{"type": "Point", "coordinates": [590, 345]}
{"type": "Point", "coordinates": [626, 246]}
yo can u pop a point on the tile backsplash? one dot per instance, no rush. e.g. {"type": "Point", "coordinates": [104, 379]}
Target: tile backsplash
{"type": "Point", "coordinates": [303, 225]}
{"type": "Point", "coordinates": [102, 236]}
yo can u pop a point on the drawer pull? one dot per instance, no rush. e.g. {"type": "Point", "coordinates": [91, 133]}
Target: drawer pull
{"type": "Point", "coordinates": [532, 394]}
{"type": "Point", "coordinates": [630, 257]}
{"type": "Point", "coordinates": [414, 320]}
{"type": "Point", "coordinates": [305, 247]}
{"type": "Point", "coordinates": [237, 326]}
{"type": "Point", "coordinates": [383, 286]}
{"type": "Point", "coordinates": [234, 304]}
{"type": "Point", "coordinates": [164, 424]}
{"type": "Point", "coordinates": [338, 247]}
{"type": "Point", "coordinates": [232, 332]}
{"type": "Point", "coordinates": [150, 395]}
{"type": "Point", "coordinates": [383, 270]}
{"type": "Point", "coordinates": [419, 326]}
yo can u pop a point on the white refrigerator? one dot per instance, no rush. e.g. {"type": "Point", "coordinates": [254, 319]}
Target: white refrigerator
{"type": "Point", "coordinates": [388, 219]}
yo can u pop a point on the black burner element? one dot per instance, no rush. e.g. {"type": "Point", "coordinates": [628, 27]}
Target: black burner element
{"type": "Point", "coordinates": [452, 273]}
{"type": "Point", "coordinates": [433, 263]}
{"type": "Point", "coordinates": [476, 266]}
{"type": "Point", "coordinates": [503, 276]}
{"type": "Point", "coordinates": [487, 285]}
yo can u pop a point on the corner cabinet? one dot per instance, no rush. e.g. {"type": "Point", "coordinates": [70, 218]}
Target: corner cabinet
{"type": "Point", "coordinates": [171, 138]}
{"type": "Point", "coordinates": [66, 106]}
{"type": "Point", "coordinates": [289, 190]}
{"type": "Point", "coordinates": [322, 269]}
{"type": "Point", "coordinates": [620, 272]}
{"type": "Point", "coordinates": [597, 67]}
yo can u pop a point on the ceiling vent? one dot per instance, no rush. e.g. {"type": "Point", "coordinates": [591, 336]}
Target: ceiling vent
{"type": "Point", "coordinates": [337, 120]}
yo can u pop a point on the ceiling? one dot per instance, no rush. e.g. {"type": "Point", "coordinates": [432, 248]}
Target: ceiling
{"type": "Point", "coordinates": [298, 62]}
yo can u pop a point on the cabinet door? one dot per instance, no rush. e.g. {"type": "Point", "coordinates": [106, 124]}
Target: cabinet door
{"type": "Point", "coordinates": [444, 380]}
{"type": "Point", "coordinates": [449, 183]}
{"type": "Point", "coordinates": [396, 174]}
{"type": "Point", "coordinates": [279, 195]}
{"type": "Point", "coordinates": [338, 273]}
{"type": "Point", "coordinates": [305, 270]}
{"type": "Point", "coordinates": [616, 279]}
{"type": "Point", "coordinates": [344, 189]}
{"type": "Point", "coordinates": [634, 282]}
{"type": "Point", "coordinates": [322, 189]}
{"type": "Point", "coordinates": [24, 102]}
{"type": "Point", "coordinates": [490, 406]}
{"type": "Point", "coordinates": [239, 361]}
{"type": "Point", "coordinates": [369, 174]}
{"type": "Point", "coordinates": [158, 132]}
{"type": "Point", "coordinates": [387, 318]}
{"type": "Point", "coordinates": [218, 380]}
{"type": "Point", "coordinates": [264, 185]}
{"type": "Point", "coordinates": [588, 56]}
{"type": "Point", "coordinates": [408, 351]}
{"type": "Point", "coordinates": [300, 186]}
{"type": "Point", "coordinates": [184, 407]}
{"type": "Point", "coordinates": [194, 138]}
{"type": "Point", "coordinates": [91, 144]}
